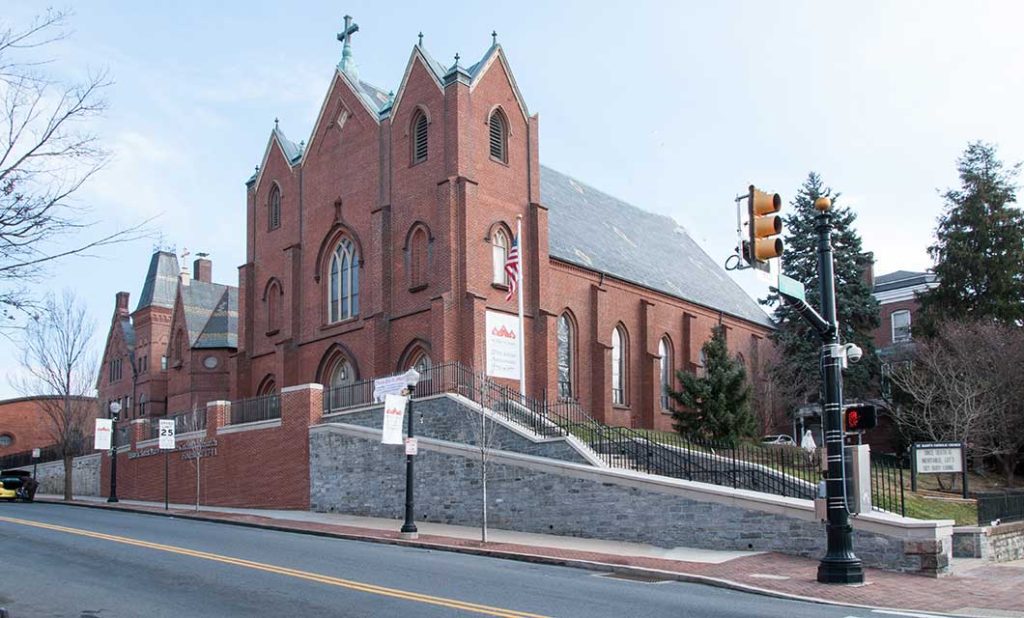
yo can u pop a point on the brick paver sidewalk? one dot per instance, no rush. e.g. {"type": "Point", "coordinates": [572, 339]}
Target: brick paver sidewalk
{"type": "Point", "coordinates": [984, 590]}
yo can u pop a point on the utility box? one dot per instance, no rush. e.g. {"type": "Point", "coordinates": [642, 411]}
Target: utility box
{"type": "Point", "coordinates": [858, 478]}
{"type": "Point", "coordinates": [821, 503]}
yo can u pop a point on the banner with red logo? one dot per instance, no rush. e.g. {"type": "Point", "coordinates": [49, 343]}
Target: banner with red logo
{"type": "Point", "coordinates": [502, 345]}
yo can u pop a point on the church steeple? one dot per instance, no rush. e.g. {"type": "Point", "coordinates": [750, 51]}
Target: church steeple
{"type": "Point", "coordinates": [347, 64]}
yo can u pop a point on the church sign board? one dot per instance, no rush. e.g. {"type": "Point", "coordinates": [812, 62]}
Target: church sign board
{"type": "Point", "coordinates": [391, 385]}
{"type": "Point", "coordinates": [938, 458]}
{"type": "Point", "coordinates": [502, 332]}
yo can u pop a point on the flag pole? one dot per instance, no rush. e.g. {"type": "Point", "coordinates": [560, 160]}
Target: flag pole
{"type": "Point", "coordinates": [522, 330]}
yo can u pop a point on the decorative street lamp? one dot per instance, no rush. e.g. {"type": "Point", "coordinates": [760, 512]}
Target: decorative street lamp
{"type": "Point", "coordinates": [409, 531]}
{"type": "Point", "coordinates": [115, 409]}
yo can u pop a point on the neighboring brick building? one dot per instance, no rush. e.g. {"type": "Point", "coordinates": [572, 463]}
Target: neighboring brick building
{"type": "Point", "coordinates": [380, 245]}
{"type": "Point", "coordinates": [24, 424]}
{"type": "Point", "coordinates": [897, 294]}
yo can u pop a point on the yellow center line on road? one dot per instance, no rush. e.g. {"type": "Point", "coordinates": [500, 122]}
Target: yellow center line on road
{"type": "Point", "coordinates": [270, 568]}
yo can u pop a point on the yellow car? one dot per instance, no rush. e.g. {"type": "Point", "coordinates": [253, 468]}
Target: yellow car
{"type": "Point", "coordinates": [15, 484]}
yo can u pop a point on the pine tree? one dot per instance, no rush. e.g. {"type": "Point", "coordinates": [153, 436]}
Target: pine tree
{"type": "Point", "coordinates": [717, 404]}
{"type": "Point", "coordinates": [856, 308]}
{"type": "Point", "coordinates": [979, 246]}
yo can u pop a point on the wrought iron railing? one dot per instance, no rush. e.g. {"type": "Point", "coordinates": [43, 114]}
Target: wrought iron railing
{"type": "Point", "coordinates": [255, 409]}
{"type": "Point", "coordinates": [184, 422]}
{"type": "Point", "coordinates": [1004, 506]}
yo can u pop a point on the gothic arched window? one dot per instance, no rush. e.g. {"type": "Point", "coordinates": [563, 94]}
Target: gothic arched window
{"type": "Point", "coordinates": [620, 365]}
{"type": "Point", "coordinates": [273, 301]}
{"type": "Point", "coordinates": [566, 356]}
{"type": "Point", "coordinates": [418, 254]}
{"type": "Point", "coordinates": [340, 380]}
{"type": "Point", "coordinates": [665, 371]}
{"type": "Point", "coordinates": [499, 255]}
{"type": "Point", "coordinates": [499, 136]}
{"type": "Point", "coordinates": [343, 297]}
{"type": "Point", "coordinates": [419, 137]}
{"type": "Point", "coordinates": [274, 208]}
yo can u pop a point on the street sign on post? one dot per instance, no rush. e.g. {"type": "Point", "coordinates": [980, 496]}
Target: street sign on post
{"type": "Point", "coordinates": [167, 434]}
{"type": "Point", "coordinates": [36, 453]}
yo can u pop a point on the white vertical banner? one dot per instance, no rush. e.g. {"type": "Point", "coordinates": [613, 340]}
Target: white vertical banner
{"type": "Point", "coordinates": [502, 338]}
{"type": "Point", "coordinates": [104, 430]}
{"type": "Point", "coordinates": [167, 433]}
{"type": "Point", "coordinates": [394, 414]}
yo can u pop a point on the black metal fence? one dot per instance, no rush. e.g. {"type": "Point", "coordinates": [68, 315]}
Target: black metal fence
{"type": "Point", "coordinates": [255, 409]}
{"type": "Point", "coordinates": [887, 483]}
{"type": "Point", "coordinates": [1000, 505]}
{"type": "Point", "coordinates": [184, 422]}
{"type": "Point", "coordinates": [46, 453]}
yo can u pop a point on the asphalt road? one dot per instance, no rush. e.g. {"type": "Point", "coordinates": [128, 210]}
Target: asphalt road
{"type": "Point", "coordinates": [58, 560]}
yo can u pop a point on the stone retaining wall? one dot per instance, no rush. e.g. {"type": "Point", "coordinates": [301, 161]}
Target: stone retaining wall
{"type": "Point", "coordinates": [85, 476]}
{"type": "Point", "coordinates": [1002, 543]}
{"type": "Point", "coordinates": [351, 472]}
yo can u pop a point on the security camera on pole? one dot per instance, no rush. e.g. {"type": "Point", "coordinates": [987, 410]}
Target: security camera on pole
{"type": "Point", "coordinates": [840, 565]}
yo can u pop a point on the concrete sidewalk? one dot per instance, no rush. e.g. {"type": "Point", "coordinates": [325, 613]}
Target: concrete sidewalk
{"type": "Point", "coordinates": [977, 588]}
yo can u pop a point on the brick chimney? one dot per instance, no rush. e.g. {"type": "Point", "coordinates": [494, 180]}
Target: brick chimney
{"type": "Point", "coordinates": [202, 270]}
{"type": "Point", "coordinates": [122, 304]}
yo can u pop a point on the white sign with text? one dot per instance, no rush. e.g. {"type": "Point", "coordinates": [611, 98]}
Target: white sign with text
{"type": "Point", "coordinates": [391, 385]}
{"type": "Point", "coordinates": [411, 446]}
{"type": "Point", "coordinates": [502, 333]}
{"type": "Point", "coordinates": [104, 429]}
{"type": "Point", "coordinates": [938, 458]}
{"type": "Point", "coordinates": [166, 433]}
{"type": "Point", "coordinates": [394, 415]}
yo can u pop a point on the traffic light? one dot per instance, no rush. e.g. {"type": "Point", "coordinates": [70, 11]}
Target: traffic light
{"type": "Point", "coordinates": [860, 417]}
{"type": "Point", "coordinates": [765, 226]}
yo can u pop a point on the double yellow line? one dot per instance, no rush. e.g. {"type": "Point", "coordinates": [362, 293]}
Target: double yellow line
{"type": "Point", "coordinates": [270, 568]}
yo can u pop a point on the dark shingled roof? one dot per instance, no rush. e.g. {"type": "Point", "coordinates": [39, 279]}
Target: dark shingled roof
{"type": "Point", "coordinates": [597, 231]}
{"type": "Point", "coordinates": [128, 332]}
{"type": "Point", "coordinates": [211, 314]}
{"type": "Point", "coordinates": [902, 279]}
{"type": "Point", "coordinates": [161, 281]}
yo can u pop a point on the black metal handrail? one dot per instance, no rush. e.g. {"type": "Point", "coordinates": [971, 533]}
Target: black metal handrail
{"type": "Point", "coordinates": [255, 409]}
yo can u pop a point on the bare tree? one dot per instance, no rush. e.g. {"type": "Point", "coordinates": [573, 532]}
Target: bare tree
{"type": "Point", "coordinates": [963, 385]}
{"type": "Point", "coordinates": [196, 448]}
{"type": "Point", "coordinates": [46, 155]}
{"type": "Point", "coordinates": [770, 397]}
{"type": "Point", "coordinates": [57, 360]}
{"type": "Point", "coordinates": [481, 435]}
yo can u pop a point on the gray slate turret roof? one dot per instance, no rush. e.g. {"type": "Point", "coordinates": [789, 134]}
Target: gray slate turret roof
{"type": "Point", "coordinates": [211, 314]}
{"type": "Point", "coordinates": [597, 231]}
{"type": "Point", "coordinates": [161, 281]}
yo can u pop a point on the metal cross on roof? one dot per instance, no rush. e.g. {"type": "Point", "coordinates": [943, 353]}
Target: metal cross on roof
{"type": "Point", "coordinates": [345, 36]}
{"type": "Point", "coordinates": [350, 28]}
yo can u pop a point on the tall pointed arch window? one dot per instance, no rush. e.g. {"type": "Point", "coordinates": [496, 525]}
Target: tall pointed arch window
{"type": "Point", "coordinates": [620, 365]}
{"type": "Point", "coordinates": [499, 255]}
{"type": "Point", "coordinates": [419, 137]}
{"type": "Point", "coordinates": [418, 254]}
{"type": "Point", "coordinates": [274, 208]}
{"type": "Point", "coordinates": [498, 136]}
{"type": "Point", "coordinates": [665, 371]}
{"type": "Point", "coordinates": [341, 379]}
{"type": "Point", "coordinates": [273, 308]}
{"type": "Point", "coordinates": [566, 356]}
{"type": "Point", "coordinates": [343, 293]}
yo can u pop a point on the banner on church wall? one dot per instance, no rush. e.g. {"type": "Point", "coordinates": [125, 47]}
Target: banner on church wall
{"type": "Point", "coordinates": [502, 345]}
{"type": "Point", "coordinates": [394, 415]}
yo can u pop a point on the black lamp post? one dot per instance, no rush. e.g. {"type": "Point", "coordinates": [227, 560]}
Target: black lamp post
{"type": "Point", "coordinates": [409, 531]}
{"type": "Point", "coordinates": [840, 565]}
{"type": "Point", "coordinates": [115, 408]}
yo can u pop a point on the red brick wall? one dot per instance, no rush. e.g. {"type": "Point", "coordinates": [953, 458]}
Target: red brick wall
{"type": "Point", "coordinates": [883, 334]}
{"type": "Point", "coordinates": [266, 467]}
{"type": "Point", "coordinates": [26, 422]}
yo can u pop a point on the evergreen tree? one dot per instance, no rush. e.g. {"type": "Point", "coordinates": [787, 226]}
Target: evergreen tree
{"type": "Point", "coordinates": [856, 308]}
{"type": "Point", "coordinates": [717, 404]}
{"type": "Point", "coordinates": [979, 246]}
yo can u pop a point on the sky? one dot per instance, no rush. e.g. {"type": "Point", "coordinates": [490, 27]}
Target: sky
{"type": "Point", "coordinates": [673, 106]}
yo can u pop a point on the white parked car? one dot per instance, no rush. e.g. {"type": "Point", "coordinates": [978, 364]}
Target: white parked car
{"type": "Point", "coordinates": [780, 439]}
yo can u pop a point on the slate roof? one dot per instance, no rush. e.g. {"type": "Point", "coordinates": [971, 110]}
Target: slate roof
{"type": "Point", "coordinates": [161, 285]}
{"type": "Point", "coordinates": [597, 231]}
{"type": "Point", "coordinates": [902, 279]}
{"type": "Point", "coordinates": [211, 314]}
{"type": "Point", "coordinates": [128, 332]}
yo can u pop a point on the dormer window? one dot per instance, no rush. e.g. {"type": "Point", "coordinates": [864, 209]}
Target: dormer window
{"type": "Point", "coordinates": [499, 136]}
{"type": "Point", "coordinates": [419, 137]}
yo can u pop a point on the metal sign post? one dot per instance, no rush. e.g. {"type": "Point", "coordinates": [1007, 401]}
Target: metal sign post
{"type": "Point", "coordinates": [167, 442]}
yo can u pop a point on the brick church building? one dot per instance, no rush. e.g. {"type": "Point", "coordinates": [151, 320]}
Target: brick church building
{"type": "Point", "coordinates": [379, 244]}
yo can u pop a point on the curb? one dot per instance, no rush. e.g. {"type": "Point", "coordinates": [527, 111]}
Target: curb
{"type": "Point", "coordinates": [589, 565]}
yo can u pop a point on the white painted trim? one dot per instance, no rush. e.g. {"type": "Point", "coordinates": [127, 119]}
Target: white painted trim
{"type": "Point", "coordinates": [190, 435]}
{"type": "Point", "coordinates": [253, 426]}
{"type": "Point", "coordinates": [312, 386]}
{"type": "Point", "coordinates": [219, 402]}
{"type": "Point", "coordinates": [900, 294]}
{"type": "Point", "coordinates": [146, 443]}
{"type": "Point", "coordinates": [881, 523]}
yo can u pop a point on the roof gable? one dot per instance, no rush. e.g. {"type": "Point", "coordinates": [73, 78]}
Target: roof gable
{"type": "Point", "coordinates": [594, 230]}
{"type": "Point", "coordinates": [210, 314]}
{"type": "Point", "coordinates": [161, 286]}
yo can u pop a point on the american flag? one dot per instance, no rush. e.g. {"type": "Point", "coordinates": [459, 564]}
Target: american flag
{"type": "Point", "coordinates": [512, 269]}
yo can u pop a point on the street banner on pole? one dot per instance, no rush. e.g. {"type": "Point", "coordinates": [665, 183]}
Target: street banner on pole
{"type": "Point", "coordinates": [391, 385]}
{"type": "Point", "coordinates": [503, 336]}
{"type": "Point", "coordinates": [167, 434]}
{"type": "Point", "coordinates": [394, 414]}
{"type": "Point", "coordinates": [104, 430]}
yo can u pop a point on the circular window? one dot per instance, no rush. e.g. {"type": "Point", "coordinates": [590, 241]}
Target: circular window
{"type": "Point", "coordinates": [6, 440]}
{"type": "Point", "coordinates": [210, 362]}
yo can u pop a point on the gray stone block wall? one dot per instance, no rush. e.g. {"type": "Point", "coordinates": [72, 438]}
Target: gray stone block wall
{"type": "Point", "coordinates": [359, 476]}
{"type": "Point", "coordinates": [85, 476]}
{"type": "Point", "coordinates": [444, 418]}
{"type": "Point", "coordinates": [1002, 543]}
